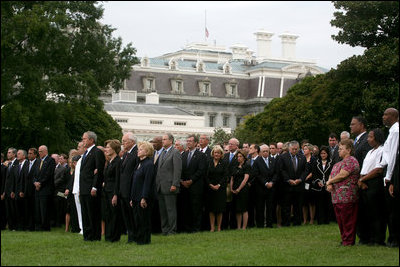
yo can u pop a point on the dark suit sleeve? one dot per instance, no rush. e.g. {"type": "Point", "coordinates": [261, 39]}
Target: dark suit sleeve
{"type": "Point", "coordinates": [47, 175]}
{"type": "Point", "coordinates": [100, 162]}
{"type": "Point", "coordinates": [284, 171]}
{"type": "Point", "coordinates": [199, 174]}
{"type": "Point", "coordinates": [148, 180]}
{"type": "Point", "coordinates": [117, 177]}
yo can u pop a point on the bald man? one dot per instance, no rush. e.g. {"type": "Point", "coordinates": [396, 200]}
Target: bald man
{"type": "Point", "coordinates": [44, 185]}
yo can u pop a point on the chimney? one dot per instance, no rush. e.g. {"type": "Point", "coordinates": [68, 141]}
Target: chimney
{"type": "Point", "coordinates": [239, 51]}
{"type": "Point", "coordinates": [288, 45]}
{"type": "Point", "coordinates": [263, 44]}
{"type": "Point", "coordinates": [152, 98]}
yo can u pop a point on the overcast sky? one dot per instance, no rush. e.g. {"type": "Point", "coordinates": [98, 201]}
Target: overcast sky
{"type": "Point", "coordinates": [157, 28]}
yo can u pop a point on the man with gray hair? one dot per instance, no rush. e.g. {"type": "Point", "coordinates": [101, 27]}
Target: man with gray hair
{"type": "Point", "coordinates": [168, 183]}
{"type": "Point", "coordinates": [22, 174]}
{"type": "Point", "coordinates": [344, 135]}
{"type": "Point", "coordinates": [293, 170]}
{"type": "Point", "coordinates": [90, 183]}
{"type": "Point", "coordinates": [129, 161]}
{"type": "Point", "coordinates": [44, 184]}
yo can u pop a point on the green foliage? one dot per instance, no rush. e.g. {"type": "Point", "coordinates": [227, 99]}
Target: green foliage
{"type": "Point", "coordinates": [361, 85]}
{"type": "Point", "coordinates": [220, 136]}
{"type": "Point", "coordinates": [366, 23]}
{"type": "Point", "coordinates": [311, 245]}
{"type": "Point", "coordinates": [56, 60]}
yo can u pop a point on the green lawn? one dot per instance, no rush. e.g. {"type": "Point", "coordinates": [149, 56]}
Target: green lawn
{"type": "Point", "coordinates": [302, 245]}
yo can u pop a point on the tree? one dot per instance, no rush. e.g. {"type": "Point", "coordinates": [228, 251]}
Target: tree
{"type": "Point", "coordinates": [220, 136]}
{"type": "Point", "coordinates": [361, 85]}
{"type": "Point", "coordinates": [56, 60]}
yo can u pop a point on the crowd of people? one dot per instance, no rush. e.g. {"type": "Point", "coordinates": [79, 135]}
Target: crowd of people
{"type": "Point", "coordinates": [169, 186]}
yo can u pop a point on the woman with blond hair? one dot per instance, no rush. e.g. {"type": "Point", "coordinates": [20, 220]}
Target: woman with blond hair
{"type": "Point", "coordinates": [143, 192]}
{"type": "Point", "coordinates": [217, 175]}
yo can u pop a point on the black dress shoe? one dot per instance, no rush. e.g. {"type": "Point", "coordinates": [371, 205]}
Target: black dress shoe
{"type": "Point", "coordinates": [363, 242]}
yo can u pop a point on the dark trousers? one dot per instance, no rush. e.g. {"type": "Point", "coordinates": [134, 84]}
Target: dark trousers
{"type": "Point", "coordinates": [346, 217]}
{"type": "Point", "coordinates": [71, 209]}
{"type": "Point", "coordinates": [291, 198]}
{"type": "Point", "coordinates": [29, 213]}
{"type": "Point", "coordinates": [11, 210]}
{"type": "Point", "coordinates": [3, 216]}
{"type": "Point", "coordinates": [112, 219]}
{"type": "Point", "coordinates": [371, 226]}
{"type": "Point", "coordinates": [60, 207]}
{"type": "Point", "coordinates": [127, 216]}
{"type": "Point", "coordinates": [189, 210]}
{"type": "Point", "coordinates": [229, 216]}
{"type": "Point", "coordinates": [91, 217]}
{"type": "Point", "coordinates": [251, 205]}
{"type": "Point", "coordinates": [392, 216]}
{"type": "Point", "coordinates": [20, 211]}
{"type": "Point", "coordinates": [323, 206]}
{"type": "Point", "coordinates": [42, 212]}
{"type": "Point", "coordinates": [142, 222]}
{"type": "Point", "coordinates": [264, 206]}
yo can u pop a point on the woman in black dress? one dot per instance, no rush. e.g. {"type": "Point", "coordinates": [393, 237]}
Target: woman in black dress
{"type": "Point", "coordinates": [321, 169]}
{"type": "Point", "coordinates": [240, 189]}
{"type": "Point", "coordinates": [111, 187]}
{"type": "Point", "coordinates": [217, 175]}
{"type": "Point", "coordinates": [143, 194]}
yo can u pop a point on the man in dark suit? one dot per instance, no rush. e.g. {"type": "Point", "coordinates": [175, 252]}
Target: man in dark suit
{"type": "Point", "coordinates": [155, 214]}
{"type": "Point", "coordinates": [168, 183]}
{"type": "Point", "coordinates": [129, 161]}
{"type": "Point", "coordinates": [334, 148]}
{"type": "Point", "coordinates": [265, 187]}
{"type": "Point", "coordinates": [190, 198]}
{"type": "Point", "coordinates": [293, 173]}
{"type": "Point", "coordinates": [22, 173]}
{"type": "Point", "coordinates": [44, 186]}
{"type": "Point", "coordinates": [90, 184]}
{"type": "Point", "coordinates": [29, 193]}
{"type": "Point", "coordinates": [3, 217]}
{"type": "Point", "coordinates": [358, 127]}
{"type": "Point", "coordinates": [204, 140]}
{"type": "Point", "coordinates": [229, 217]}
{"type": "Point", "coordinates": [10, 188]}
{"type": "Point", "coordinates": [254, 150]}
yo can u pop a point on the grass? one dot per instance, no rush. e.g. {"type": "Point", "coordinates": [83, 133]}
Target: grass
{"type": "Point", "coordinates": [301, 245]}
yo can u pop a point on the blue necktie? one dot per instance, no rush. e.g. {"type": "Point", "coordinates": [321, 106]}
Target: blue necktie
{"type": "Point", "coordinates": [189, 158]}
{"type": "Point", "coordinates": [231, 157]}
{"type": "Point", "coordinates": [355, 141]}
{"type": "Point", "coordinates": [251, 162]}
{"type": "Point", "coordinates": [84, 156]}
{"type": "Point", "coordinates": [266, 162]}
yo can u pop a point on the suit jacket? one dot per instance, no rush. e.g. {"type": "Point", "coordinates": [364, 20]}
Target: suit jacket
{"type": "Point", "coordinates": [45, 176]}
{"type": "Point", "coordinates": [319, 174]}
{"type": "Point", "coordinates": [92, 171]}
{"type": "Point", "coordinates": [264, 174]}
{"type": "Point", "coordinates": [144, 185]}
{"type": "Point", "coordinates": [11, 179]}
{"type": "Point", "coordinates": [361, 149]}
{"type": "Point", "coordinates": [29, 186]}
{"type": "Point", "coordinates": [231, 165]}
{"type": "Point", "coordinates": [195, 171]}
{"type": "Point", "coordinates": [22, 177]}
{"type": "Point", "coordinates": [169, 171]}
{"type": "Point", "coordinates": [112, 176]}
{"type": "Point", "coordinates": [288, 172]}
{"type": "Point", "coordinates": [128, 165]}
{"type": "Point", "coordinates": [3, 177]}
{"type": "Point", "coordinates": [60, 179]}
{"type": "Point", "coordinates": [335, 155]}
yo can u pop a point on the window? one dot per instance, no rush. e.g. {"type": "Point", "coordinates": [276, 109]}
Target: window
{"type": "Point", "coordinates": [180, 123]}
{"type": "Point", "coordinates": [237, 121]}
{"type": "Point", "coordinates": [177, 85]}
{"type": "Point", "coordinates": [205, 87]}
{"type": "Point", "coordinates": [149, 83]}
{"type": "Point", "coordinates": [212, 121]}
{"type": "Point", "coordinates": [225, 121]}
{"type": "Point", "coordinates": [231, 89]}
{"type": "Point", "coordinates": [121, 120]}
{"type": "Point", "coordinates": [155, 122]}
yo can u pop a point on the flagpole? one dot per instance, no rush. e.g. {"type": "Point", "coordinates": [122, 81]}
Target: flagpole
{"type": "Point", "coordinates": [205, 25]}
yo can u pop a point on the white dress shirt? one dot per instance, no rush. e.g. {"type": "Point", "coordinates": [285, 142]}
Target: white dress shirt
{"type": "Point", "coordinates": [75, 188]}
{"type": "Point", "coordinates": [389, 151]}
{"type": "Point", "coordinates": [372, 160]}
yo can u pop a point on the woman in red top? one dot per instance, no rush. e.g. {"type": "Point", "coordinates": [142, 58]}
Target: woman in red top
{"type": "Point", "coordinates": [343, 186]}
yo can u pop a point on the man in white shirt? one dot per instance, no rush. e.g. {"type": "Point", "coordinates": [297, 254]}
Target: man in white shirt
{"type": "Point", "coordinates": [75, 188]}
